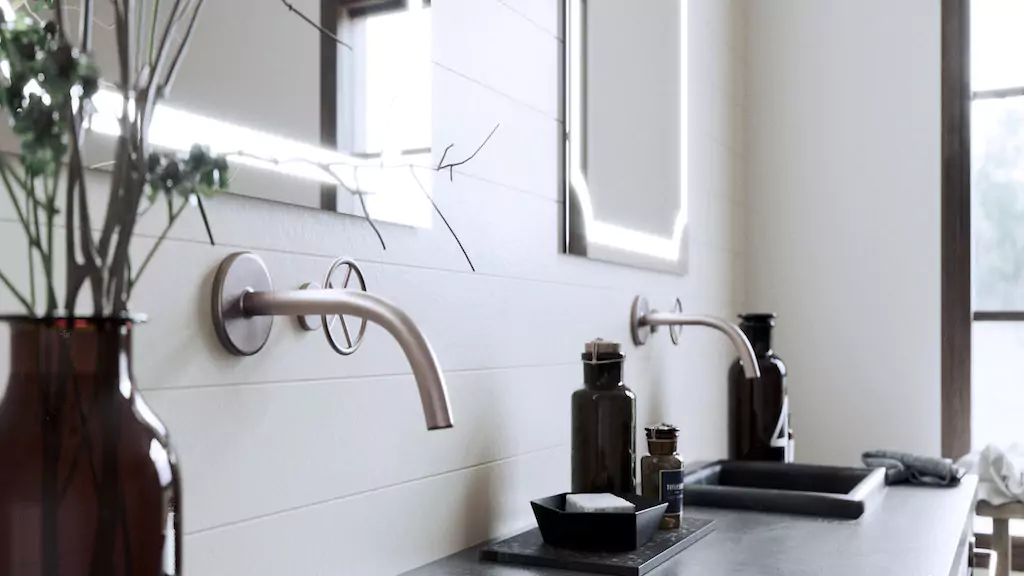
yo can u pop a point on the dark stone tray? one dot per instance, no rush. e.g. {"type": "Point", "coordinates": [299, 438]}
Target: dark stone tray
{"type": "Point", "coordinates": [529, 548]}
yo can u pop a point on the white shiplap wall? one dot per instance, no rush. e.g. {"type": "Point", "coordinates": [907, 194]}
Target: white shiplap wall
{"type": "Point", "coordinates": [298, 461]}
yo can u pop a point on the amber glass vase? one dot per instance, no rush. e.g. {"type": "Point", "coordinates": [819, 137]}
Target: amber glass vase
{"type": "Point", "coordinates": [88, 481]}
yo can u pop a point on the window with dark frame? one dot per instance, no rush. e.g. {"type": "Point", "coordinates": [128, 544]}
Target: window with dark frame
{"type": "Point", "coordinates": [383, 83]}
{"type": "Point", "coordinates": [996, 80]}
{"type": "Point", "coordinates": [982, 230]}
{"type": "Point", "coordinates": [376, 92]}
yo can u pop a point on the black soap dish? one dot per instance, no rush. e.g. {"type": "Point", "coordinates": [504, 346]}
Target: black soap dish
{"type": "Point", "coordinates": [598, 531]}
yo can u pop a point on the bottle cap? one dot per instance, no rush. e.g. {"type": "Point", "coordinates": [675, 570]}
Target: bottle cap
{"type": "Point", "coordinates": [599, 346]}
{"type": "Point", "coordinates": [662, 432]}
{"type": "Point", "coordinates": [599, 350]}
{"type": "Point", "coordinates": [764, 318]}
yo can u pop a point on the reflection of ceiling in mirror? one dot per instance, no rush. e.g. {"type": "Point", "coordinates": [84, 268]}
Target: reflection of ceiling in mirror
{"type": "Point", "coordinates": [666, 246]}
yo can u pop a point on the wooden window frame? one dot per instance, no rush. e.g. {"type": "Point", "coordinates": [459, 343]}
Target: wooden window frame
{"type": "Point", "coordinates": [956, 229]}
{"type": "Point", "coordinates": [957, 314]}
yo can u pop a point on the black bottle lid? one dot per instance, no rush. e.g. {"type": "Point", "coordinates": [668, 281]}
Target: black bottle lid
{"type": "Point", "coordinates": [662, 432]}
{"type": "Point", "coordinates": [764, 318]}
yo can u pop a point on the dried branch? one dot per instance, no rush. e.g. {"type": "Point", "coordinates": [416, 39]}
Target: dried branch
{"type": "Point", "coordinates": [149, 96]}
{"type": "Point", "coordinates": [171, 219]}
{"type": "Point", "coordinates": [155, 17]}
{"type": "Point", "coordinates": [10, 192]}
{"type": "Point", "coordinates": [326, 169]}
{"type": "Point", "coordinates": [450, 167]}
{"type": "Point", "coordinates": [90, 263]}
{"type": "Point", "coordinates": [309, 21]}
{"type": "Point", "coordinates": [165, 86]}
{"type": "Point", "coordinates": [366, 214]}
{"type": "Point", "coordinates": [58, 12]}
{"type": "Point", "coordinates": [443, 219]}
{"type": "Point", "coordinates": [132, 14]}
{"type": "Point", "coordinates": [86, 26]}
{"type": "Point", "coordinates": [206, 221]}
{"type": "Point", "coordinates": [16, 293]}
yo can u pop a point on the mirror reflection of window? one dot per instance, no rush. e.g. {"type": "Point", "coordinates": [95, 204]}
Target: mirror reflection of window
{"type": "Point", "coordinates": [391, 82]}
{"type": "Point", "coordinates": [384, 100]}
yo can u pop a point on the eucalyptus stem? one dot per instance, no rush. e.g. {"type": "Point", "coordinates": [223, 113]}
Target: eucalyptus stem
{"type": "Point", "coordinates": [45, 254]}
{"type": "Point", "coordinates": [152, 251]}
{"type": "Point", "coordinates": [31, 258]}
{"type": "Point", "coordinates": [10, 192]}
{"type": "Point", "coordinates": [152, 31]}
{"type": "Point", "coordinates": [51, 211]}
{"type": "Point", "coordinates": [17, 294]}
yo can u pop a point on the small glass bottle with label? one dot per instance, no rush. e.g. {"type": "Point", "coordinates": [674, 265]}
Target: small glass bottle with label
{"type": "Point", "coordinates": [661, 473]}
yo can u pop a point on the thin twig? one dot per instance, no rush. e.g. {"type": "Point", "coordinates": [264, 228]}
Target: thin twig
{"type": "Point", "coordinates": [152, 30]}
{"type": "Point", "coordinates": [157, 67]}
{"type": "Point", "coordinates": [51, 212]}
{"type": "Point", "coordinates": [90, 260]}
{"type": "Point", "coordinates": [451, 166]}
{"type": "Point", "coordinates": [17, 294]}
{"type": "Point", "coordinates": [165, 86]}
{"type": "Point", "coordinates": [86, 26]}
{"type": "Point", "coordinates": [366, 211]}
{"type": "Point", "coordinates": [445, 153]}
{"type": "Point", "coordinates": [309, 21]}
{"type": "Point", "coordinates": [26, 8]}
{"type": "Point", "coordinates": [31, 256]}
{"type": "Point", "coordinates": [326, 169]}
{"type": "Point", "coordinates": [443, 219]}
{"type": "Point", "coordinates": [160, 240]}
{"type": "Point", "coordinates": [206, 221]}
{"type": "Point", "coordinates": [58, 9]}
{"type": "Point", "coordinates": [10, 192]}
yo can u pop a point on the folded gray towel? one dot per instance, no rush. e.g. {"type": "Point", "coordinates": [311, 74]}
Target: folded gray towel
{"type": "Point", "coordinates": [901, 467]}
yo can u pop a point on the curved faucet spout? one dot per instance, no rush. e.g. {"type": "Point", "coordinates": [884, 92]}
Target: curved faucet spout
{"type": "Point", "coordinates": [643, 321]}
{"type": "Point", "coordinates": [739, 340]}
{"type": "Point", "coordinates": [429, 379]}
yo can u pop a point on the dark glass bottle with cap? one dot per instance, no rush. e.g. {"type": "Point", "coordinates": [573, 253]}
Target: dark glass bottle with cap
{"type": "Point", "coordinates": [661, 472]}
{"type": "Point", "coordinates": [759, 408]}
{"type": "Point", "coordinates": [603, 425]}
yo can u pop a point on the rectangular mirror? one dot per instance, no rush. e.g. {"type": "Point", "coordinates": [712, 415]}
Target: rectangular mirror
{"type": "Point", "coordinates": [337, 119]}
{"type": "Point", "coordinates": [624, 164]}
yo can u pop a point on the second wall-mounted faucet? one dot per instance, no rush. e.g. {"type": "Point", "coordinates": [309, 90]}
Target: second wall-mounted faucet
{"type": "Point", "coordinates": [643, 321]}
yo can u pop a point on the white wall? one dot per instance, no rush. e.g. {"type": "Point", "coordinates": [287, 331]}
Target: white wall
{"type": "Point", "coordinates": [298, 461]}
{"type": "Point", "coordinates": [844, 154]}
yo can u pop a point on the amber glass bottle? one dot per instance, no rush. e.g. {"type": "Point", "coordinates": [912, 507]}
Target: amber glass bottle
{"type": "Point", "coordinates": [661, 473]}
{"type": "Point", "coordinates": [759, 408]}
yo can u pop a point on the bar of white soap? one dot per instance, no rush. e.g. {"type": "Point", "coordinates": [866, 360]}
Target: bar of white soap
{"type": "Point", "coordinates": [597, 503]}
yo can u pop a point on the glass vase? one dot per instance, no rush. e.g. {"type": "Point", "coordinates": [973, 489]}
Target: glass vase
{"type": "Point", "coordinates": [89, 484]}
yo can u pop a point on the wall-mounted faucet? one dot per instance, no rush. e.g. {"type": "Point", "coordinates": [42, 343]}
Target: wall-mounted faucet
{"type": "Point", "coordinates": [643, 321]}
{"type": "Point", "coordinates": [244, 304]}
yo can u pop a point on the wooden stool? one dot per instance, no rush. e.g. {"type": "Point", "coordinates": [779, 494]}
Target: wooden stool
{"type": "Point", "coordinates": [1001, 542]}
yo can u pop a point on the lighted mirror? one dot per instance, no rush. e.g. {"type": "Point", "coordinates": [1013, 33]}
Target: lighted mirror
{"type": "Point", "coordinates": [624, 164]}
{"type": "Point", "coordinates": [326, 118]}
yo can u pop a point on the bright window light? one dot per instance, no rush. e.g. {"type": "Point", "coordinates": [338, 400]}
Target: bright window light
{"type": "Point", "coordinates": [397, 81]}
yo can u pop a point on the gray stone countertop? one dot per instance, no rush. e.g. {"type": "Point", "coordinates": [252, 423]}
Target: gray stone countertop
{"type": "Point", "coordinates": [913, 531]}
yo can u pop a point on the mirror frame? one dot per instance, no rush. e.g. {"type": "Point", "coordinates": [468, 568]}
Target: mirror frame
{"type": "Point", "coordinates": [582, 235]}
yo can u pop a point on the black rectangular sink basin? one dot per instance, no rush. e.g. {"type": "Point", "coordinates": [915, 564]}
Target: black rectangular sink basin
{"type": "Point", "coordinates": [824, 491]}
